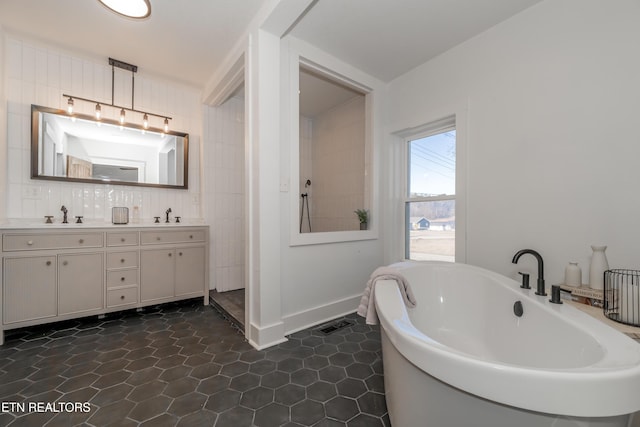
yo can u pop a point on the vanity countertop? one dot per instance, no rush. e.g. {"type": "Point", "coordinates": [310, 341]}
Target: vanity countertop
{"type": "Point", "coordinates": [39, 224]}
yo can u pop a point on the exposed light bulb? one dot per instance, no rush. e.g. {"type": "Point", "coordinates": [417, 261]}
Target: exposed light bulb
{"type": "Point", "coordinates": [145, 121]}
{"type": "Point", "coordinates": [70, 106]}
{"type": "Point", "coordinates": [122, 116]}
{"type": "Point", "coordinates": [98, 111]}
{"type": "Point", "coordinates": [166, 125]}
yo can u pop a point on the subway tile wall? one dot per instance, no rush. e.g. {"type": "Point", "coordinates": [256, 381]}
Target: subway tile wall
{"type": "Point", "coordinates": [337, 166]}
{"type": "Point", "coordinates": [36, 73]}
{"type": "Point", "coordinates": [224, 191]}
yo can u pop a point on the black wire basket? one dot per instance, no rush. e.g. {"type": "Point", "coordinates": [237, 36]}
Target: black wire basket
{"type": "Point", "coordinates": [622, 296]}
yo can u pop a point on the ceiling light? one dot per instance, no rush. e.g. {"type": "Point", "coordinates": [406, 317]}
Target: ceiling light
{"type": "Point", "coordinates": [70, 106]}
{"type": "Point", "coordinates": [122, 116]}
{"type": "Point", "coordinates": [98, 111]}
{"type": "Point", "coordinates": [138, 9]}
{"type": "Point", "coordinates": [145, 121]}
{"type": "Point", "coordinates": [166, 125]}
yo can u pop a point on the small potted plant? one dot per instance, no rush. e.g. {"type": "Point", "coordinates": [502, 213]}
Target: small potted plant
{"type": "Point", "coordinates": [363, 217]}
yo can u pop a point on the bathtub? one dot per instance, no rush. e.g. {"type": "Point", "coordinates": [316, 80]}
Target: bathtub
{"type": "Point", "coordinates": [462, 357]}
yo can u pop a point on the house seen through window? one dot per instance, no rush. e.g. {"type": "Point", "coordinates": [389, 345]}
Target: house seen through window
{"type": "Point", "coordinates": [430, 204]}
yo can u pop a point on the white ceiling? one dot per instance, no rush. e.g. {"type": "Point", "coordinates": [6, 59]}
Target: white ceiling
{"type": "Point", "coordinates": [182, 39]}
{"type": "Point", "coordinates": [387, 38]}
{"type": "Point", "coordinates": [188, 39]}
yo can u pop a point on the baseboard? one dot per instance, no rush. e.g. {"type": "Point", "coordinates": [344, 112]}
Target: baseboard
{"type": "Point", "coordinates": [321, 314]}
{"type": "Point", "coordinates": [267, 336]}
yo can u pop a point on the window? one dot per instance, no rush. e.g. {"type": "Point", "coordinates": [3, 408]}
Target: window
{"type": "Point", "coordinates": [430, 204]}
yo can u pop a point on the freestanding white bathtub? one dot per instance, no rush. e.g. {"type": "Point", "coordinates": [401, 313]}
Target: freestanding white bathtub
{"type": "Point", "coordinates": [462, 357]}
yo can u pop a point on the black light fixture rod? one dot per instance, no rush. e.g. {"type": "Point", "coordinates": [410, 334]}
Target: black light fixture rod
{"type": "Point", "coordinates": [113, 78]}
{"type": "Point", "coordinates": [123, 65]}
{"type": "Point", "coordinates": [162, 116]}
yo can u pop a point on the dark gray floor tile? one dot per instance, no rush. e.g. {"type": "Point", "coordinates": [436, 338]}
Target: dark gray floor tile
{"type": "Point", "coordinates": [235, 417]}
{"type": "Point", "coordinates": [272, 415]}
{"type": "Point", "coordinates": [150, 408]}
{"type": "Point", "coordinates": [341, 408]}
{"type": "Point", "coordinates": [223, 400]}
{"type": "Point", "coordinates": [184, 364]}
{"type": "Point", "coordinates": [307, 412]}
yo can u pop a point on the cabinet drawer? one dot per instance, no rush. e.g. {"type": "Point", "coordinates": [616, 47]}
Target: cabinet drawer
{"type": "Point", "coordinates": [122, 259]}
{"type": "Point", "coordinates": [30, 242]}
{"type": "Point", "coordinates": [122, 278]}
{"type": "Point", "coordinates": [127, 238]}
{"type": "Point", "coordinates": [123, 296]}
{"type": "Point", "coordinates": [175, 236]}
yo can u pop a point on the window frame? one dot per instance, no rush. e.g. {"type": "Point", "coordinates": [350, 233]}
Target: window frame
{"type": "Point", "coordinates": [457, 122]}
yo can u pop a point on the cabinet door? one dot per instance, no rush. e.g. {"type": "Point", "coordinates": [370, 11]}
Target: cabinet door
{"type": "Point", "coordinates": [190, 269]}
{"type": "Point", "coordinates": [80, 283]}
{"type": "Point", "coordinates": [29, 288]}
{"type": "Point", "coordinates": [157, 274]}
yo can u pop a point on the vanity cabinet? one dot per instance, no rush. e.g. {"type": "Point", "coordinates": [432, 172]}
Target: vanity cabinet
{"type": "Point", "coordinates": [29, 289]}
{"type": "Point", "coordinates": [53, 274]}
{"type": "Point", "coordinates": [176, 269]}
{"type": "Point", "coordinates": [80, 283]}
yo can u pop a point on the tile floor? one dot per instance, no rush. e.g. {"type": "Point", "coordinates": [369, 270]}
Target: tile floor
{"type": "Point", "coordinates": [231, 304]}
{"type": "Point", "coordinates": [183, 364]}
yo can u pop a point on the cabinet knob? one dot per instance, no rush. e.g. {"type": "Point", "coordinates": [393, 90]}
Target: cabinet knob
{"type": "Point", "coordinates": [122, 279]}
{"type": "Point", "coordinates": [191, 236]}
{"type": "Point", "coordinates": [121, 296]}
{"type": "Point", "coordinates": [158, 238]}
{"type": "Point", "coordinates": [169, 253]}
{"type": "Point", "coordinates": [122, 260]}
{"type": "Point", "coordinates": [29, 242]}
{"type": "Point", "coordinates": [48, 262]}
{"type": "Point", "coordinates": [180, 253]}
{"type": "Point", "coordinates": [65, 262]}
{"type": "Point", "coordinates": [122, 239]}
{"type": "Point", "coordinates": [81, 241]}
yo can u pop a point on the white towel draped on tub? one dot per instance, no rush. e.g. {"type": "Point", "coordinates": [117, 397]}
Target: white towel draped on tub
{"type": "Point", "coordinates": [367, 307]}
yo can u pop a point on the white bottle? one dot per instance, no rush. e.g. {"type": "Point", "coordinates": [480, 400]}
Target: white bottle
{"type": "Point", "coordinates": [599, 265]}
{"type": "Point", "coordinates": [573, 275]}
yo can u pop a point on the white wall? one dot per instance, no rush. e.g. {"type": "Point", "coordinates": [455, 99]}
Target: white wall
{"type": "Point", "coordinates": [39, 74]}
{"type": "Point", "coordinates": [224, 192]}
{"type": "Point", "coordinates": [553, 104]}
{"type": "Point", "coordinates": [319, 282]}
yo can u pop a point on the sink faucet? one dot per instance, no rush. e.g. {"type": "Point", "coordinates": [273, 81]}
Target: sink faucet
{"type": "Point", "coordinates": [64, 211]}
{"type": "Point", "coordinates": [168, 212]}
{"type": "Point", "coordinates": [540, 288]}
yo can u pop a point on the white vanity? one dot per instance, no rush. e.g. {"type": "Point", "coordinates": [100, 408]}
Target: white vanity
{"type": "Point", "coordinates": [57, 272]}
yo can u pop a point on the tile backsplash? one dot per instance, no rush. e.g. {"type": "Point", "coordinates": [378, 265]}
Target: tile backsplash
{"type": "Point", "coordinates": [40, 74]}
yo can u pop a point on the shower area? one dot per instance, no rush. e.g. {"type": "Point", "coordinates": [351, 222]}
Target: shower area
{"type": "Point", "coordinates": [332, 154]}
{"type": "Point", "coordinates": [224, 205]}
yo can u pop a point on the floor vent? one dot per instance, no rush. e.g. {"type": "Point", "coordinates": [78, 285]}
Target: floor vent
{"type": "Point", "coordinates": [335, 326]}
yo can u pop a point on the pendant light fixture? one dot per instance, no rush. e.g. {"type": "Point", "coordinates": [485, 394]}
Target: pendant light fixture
{"type": "Point", "coordinates": [99, 104]}
{"type": "Point", "coordinates": [137, 9]}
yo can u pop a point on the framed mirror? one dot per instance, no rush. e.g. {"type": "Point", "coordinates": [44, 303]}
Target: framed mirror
{"type": "Point", "coordinates": [78, 148]}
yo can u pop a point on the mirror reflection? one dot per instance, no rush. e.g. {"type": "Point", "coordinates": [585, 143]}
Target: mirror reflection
{"type": "Point", "coordinates": [77, 148]}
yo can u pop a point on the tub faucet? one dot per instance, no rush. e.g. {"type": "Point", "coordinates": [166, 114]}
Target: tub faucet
{"type": "Point", "coordinates": [167, 213]}
{"type": "Point", "coordinates": [64, 218]}
{"type": "Point", "coordinates": [540, 288]}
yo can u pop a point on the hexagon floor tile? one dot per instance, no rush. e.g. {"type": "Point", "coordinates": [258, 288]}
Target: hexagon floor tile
{"type": "Point", "coordinates": [183, 364]}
